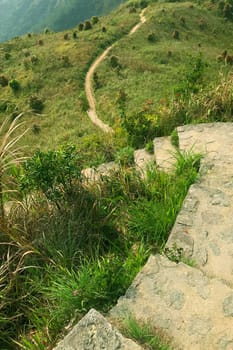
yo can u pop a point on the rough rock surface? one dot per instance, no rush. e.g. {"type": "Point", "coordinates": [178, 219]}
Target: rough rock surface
{"type": "Point", "coordinates": [196, 312]}
{"type": "Point", "coordinates": [204, 226]}
{"type": "Point", "coordinates": [164, 153]}
{"type": "Point", "coordinates": [94, 332]}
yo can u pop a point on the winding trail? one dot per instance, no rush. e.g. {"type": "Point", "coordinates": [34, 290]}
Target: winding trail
{"type": "Point", "coordinates": [88, 81]}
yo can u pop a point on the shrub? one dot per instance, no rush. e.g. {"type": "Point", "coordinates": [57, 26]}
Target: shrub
{"type": "Point", "coordinates": [151, 37]}
{"type": "Point", "coordinates": [125, 156]}
{"type": "Point", "coordinates": [94, 19]}
{"type": "Point", "coordinates": [140, 128]}
{"type": "Point", "coordinates": [87, 25]}
{"type": "Point", "coordinates": [3, 80]}
{"type": "Point", "coordinates": [14, 85]}
{"type": "Point", "coordinates": [7, 55]}
{"type": "Point", "coordinates": [36, 129]}
{"type": "Point", "coordinates": [34, 59]}
{"type": "Point", "coordinates": [29, 35]}
{"type": "Point", "coordinates": [176, 34]}
{"type": "Point", "coordinates": [66, 36]}
{"type": "Point", "coordinates": [36, 104]}
{"type": "Point", "coordinates": [75, 35]}
{"type": "Point", "coordinates": [51, 172]}
{"type": "Point", "coordinates": [66, 61]}
{"type": "Point", "coordinates": [104, 29]}
{"type": "Point", "coordinates": [80, 27]}
{"type": "Point", "coordinates": [132, 9]}
{"type": "Point", "coordinates": [114, 61]}
{"type": "Point", "coordinates": [40, 42]}
{"type": "Point", "coordinates": [150, 147]}
{"type": "Point", "coordinates": [46, 31]}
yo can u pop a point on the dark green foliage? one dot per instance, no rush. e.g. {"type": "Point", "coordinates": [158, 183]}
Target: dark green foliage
{"type": "Point", "coordinates": [114, 61]}
{"type": "Point", "coordinates": [40, 42]}
{"type": "Point", "coordinates": [36, 104]}
{"type": "Point", "coordinates": [141, 127]}
{"type": "Point", "coordinates": [104, 29]}
{"type": "Point", "coordinates": [7, 55]}
{"type": "Point", "coordinates": [150, 147]}
{"type": "Point", "coordinates": [52, 172]}
{"type": "Point", "coordinates": [94, 19]}
{"type": "Point", "coordinates": [36, 129]}
{"type": "Point", "coordinates": [125, 156]}
{"type": "Point", "coordinates": [80, 26]}
{"type": "Point", "coordinates": [14, 85]}
{"type": "Point", "coordinates": [46, 31]}
{"type": "Point", "coordinates": [66, 36]}
{"type": "Point", "coordinates": [151, 37]}
{"type": "Point", "coordinates": [192, 77]}
{"type": "Point", "coordinates": [87, 25]}
{"type": "Point", "coordinates": [75, 35]}
{"type": "Point", "coordinates": [176, 35]}
{"type": "Point", "coordinates": [3, 80]}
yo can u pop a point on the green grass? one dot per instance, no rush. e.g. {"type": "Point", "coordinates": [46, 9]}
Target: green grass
{"type": "Point", "coordinates": [84, 252]}
{"type": "Point", "coordinates": [152, 70]}
{"type": "Point", "coordinates": [145, 335]}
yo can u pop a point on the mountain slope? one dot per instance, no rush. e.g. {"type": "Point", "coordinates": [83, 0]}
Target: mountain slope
{"type": "Point", "coordinates": [18, 17]}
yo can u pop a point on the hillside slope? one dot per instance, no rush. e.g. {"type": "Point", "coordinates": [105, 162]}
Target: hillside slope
{"type": "Point", "coordinates": [18, 17]}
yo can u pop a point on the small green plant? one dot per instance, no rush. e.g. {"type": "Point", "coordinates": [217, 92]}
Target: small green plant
{"type": "Point", "coordinates": [87, 25]}
{"type": "Point", "coordinates": [75, 35]}
{"type": "Point", "coordinates": [151, 37]}
{"type": "Point", "coordinates": [66, 36]}
{"type": "Point", "coordinates": [94, 19]}
{"type": "Point", "coordinates": [3, 80]}
{"type": "Point", "coordinates": [114, 61]}
{"type": "Point", "coordinates": [145, 335]}
{"type": "Point", "coordinates": [36, 104]}
{"type": "Point", "coordinates": [15, 85]}
{"type": "Point", "coordinates": [7, 55]}
{"type": "Point", "coordinates": [177, 255]}
{"type": "Point", "coordinates": [150, 147]}
{"type": "Point", "coordinates": [80, 27]}
{"type": "Point", "coordinates": [125, 156]}
{"type": "Point", "coordinates": [175, 138]}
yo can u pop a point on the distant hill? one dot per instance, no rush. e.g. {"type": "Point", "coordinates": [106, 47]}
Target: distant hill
{"type": "Point", "coordinates": [18, 17]}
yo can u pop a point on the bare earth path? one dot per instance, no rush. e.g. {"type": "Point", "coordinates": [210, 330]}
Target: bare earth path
{"type": "Point", "coordinates": [88, 82]}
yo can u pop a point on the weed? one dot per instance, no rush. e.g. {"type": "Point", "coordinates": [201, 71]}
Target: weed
{"type": "Point", "coordinates": [145, 335]}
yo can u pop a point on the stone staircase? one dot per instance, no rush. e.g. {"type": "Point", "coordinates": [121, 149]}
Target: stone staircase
{"type": "Point", "coordinates": [192, 306]}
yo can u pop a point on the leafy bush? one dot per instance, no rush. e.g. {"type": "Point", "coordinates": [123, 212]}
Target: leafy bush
{"type": "Point", "coordinates": [125, 156]}
{"type": "Point", "coordinates": [3, 80]}
{"type": "Point", "coordinates": [54, 173]}
{"type": "Point", "coordinates": [114, 61]}
{"type": "Point", "coordinates": [151, 37]}
{"type": "Point", "coordinates": [87, 25]}
{"type": "Point", "coordinates": [15, 85]}
{"type": "Point", "coordinates": [36, 104]}
{"type": "Point", "coordinates": [140, 127]}
{"type": "Point", "coordinates": [94, 19]}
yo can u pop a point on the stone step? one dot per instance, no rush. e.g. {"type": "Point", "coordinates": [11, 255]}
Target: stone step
{"type": "Point", "coordinates": [142, 160]}
{"type": "Point", "coordinates": [94, 332]}
{"type": "Point", "coordinates": [204, 226]}
{"type": "Point", "coordinates": [164, 153]}
{"type": "Point", "coordinates": [194, 311]}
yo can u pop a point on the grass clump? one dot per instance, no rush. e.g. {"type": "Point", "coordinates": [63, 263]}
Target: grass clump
{"type": "Point", "coordinates": [145, 335]}
{"type": "Point", "coordinates": [81, 245]}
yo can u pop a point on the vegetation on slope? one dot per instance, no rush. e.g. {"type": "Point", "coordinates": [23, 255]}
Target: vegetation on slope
{"type": "Point", "coordinates": [67, 246]}
{"type": "Point", "coordinates": [18, 17]}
